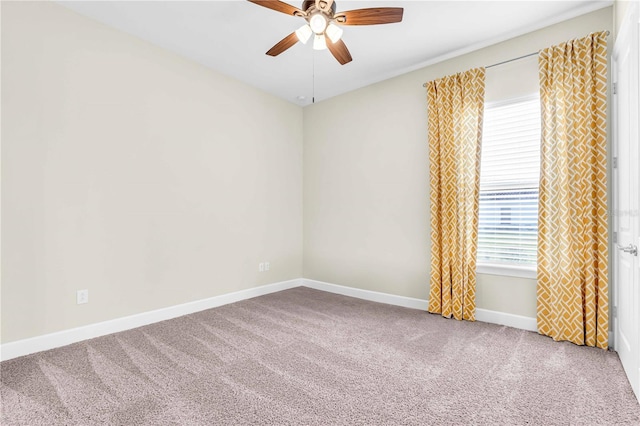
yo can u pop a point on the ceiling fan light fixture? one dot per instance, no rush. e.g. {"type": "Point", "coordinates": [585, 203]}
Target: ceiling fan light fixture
{"type": "Point", "coordinates": [334, 32]}
{"type": "Point", "coordinates": [318, 23]}
{"type": "Point", "coordinates": [304, 33]}
{"type": "Point", "coordinates": [319, 43]}
{"type": "Point", "coordinates": [323, 21]}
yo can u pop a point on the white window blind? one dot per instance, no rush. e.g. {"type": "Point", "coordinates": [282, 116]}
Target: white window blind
{"type": "Point", "coordinates": [509, 181]}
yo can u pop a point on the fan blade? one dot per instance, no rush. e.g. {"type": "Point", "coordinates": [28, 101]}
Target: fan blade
{"type": "Point", "coordinates": [283, 44]}
{"type": "Point", "coordinates": [279, 6]}
{"type": "Point", "coordinates": [372, 16]}
{"type": "Point", "coordinates": [339, 51]}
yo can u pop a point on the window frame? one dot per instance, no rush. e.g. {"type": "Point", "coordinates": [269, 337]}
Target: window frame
{"type": "Point", "coordinates": [506, 269]}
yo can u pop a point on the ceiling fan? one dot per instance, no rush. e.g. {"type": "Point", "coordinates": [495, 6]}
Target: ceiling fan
{"type": "Point", "coordinates": [322, 22]}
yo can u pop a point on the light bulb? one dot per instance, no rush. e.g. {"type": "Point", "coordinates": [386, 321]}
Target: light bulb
{"type": "Point", "coordinates": [334, 32]}
{"type": "Point", "coordinates": [318, 23]}
{"type": "Point", "coordinates": [319, 43]}
{"type": "Point", "coordinates": [303, 33]}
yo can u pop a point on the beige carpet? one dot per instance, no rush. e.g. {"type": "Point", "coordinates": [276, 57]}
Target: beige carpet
{"type": "Point", "coordinates": [306, 357]}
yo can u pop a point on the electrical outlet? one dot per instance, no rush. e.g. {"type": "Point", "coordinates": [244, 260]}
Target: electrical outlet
{"type": "Point", "coordinates": [266, 266]}
{"type": "Point", "coordinates": [82, 296]}
{"type": "Point", "coordinates": [261, 267]}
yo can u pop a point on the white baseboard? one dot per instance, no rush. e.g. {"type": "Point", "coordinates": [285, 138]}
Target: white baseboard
{"type": "Point", "coordinates": [54, 340]}
{"type": "Point", "coordinates": [66, 337]}
{"type": "Point", "coordinates": [373, 296]}
{"type": "Point", "coordinates": [484, 315]}
{"type": "Point", "coordinates": [503, 318]}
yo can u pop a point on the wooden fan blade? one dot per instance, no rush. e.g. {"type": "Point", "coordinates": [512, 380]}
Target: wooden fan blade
{"type": "Point", "coordinates": [279, 6]}
{"type": "Point", "coordinates": [339, 51]}
{"type": "Point", "coordinates": [283, 44]}
{"type": "Point", "coordinates": [372, 16]}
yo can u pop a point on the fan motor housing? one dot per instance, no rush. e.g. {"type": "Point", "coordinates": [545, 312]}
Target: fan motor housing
{"type": "Point", "coordinates": [307, 4]}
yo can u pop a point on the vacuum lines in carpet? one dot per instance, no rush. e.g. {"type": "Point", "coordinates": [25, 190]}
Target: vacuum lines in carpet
{"type": "Point", "coordinates": [307, 357]}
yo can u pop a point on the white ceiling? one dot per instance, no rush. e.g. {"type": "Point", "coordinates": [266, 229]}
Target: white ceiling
{"type": "Point", "coordinates": [233, 36]}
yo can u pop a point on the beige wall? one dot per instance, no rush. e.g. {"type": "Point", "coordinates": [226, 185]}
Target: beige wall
{"type": "Point", "coordinates": [153, 181]}
{"type": "Point", "coordinates": [366, 210]}
{"type": "Point", "coordinates": [141, 176]}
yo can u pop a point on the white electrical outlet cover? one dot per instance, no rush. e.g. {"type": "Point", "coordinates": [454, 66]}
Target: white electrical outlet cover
{"type": "Point", "coordinates": [82, 296]}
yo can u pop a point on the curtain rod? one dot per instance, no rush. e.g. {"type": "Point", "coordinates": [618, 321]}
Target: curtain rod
{"type": "Point", "coordinates": [509, 60]}
{"type": "Point", "coordinates": [504, 62]}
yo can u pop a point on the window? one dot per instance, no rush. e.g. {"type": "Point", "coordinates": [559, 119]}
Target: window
{"type": "Point", "coordinates": [509, 181]}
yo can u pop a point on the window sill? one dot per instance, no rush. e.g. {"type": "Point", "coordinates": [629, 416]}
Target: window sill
{"type": "Point", "coordinates": [507, 270]}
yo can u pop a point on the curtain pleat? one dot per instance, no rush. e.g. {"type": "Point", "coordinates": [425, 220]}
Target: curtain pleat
{"type": "Point", "coordinates": [572, 301]}
{"type": "Point", "coordinates": [455, 109]}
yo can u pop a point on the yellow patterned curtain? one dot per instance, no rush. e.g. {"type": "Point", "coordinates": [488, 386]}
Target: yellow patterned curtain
{"type": "Point", "coordinates": [572, 223]}
{"type": "Point", "coordinates": [455, 107]}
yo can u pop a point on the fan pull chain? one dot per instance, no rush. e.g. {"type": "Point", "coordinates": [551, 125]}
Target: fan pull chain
{"type": "Point", "coordinates": [313, 77]}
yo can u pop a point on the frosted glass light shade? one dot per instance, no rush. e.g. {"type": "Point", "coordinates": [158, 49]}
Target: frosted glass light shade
{"type": "Point", "coordinates": [334, 32]}
{"type": "Point", "coordinates": [319, 43]}
{"type": "Point", "coordinates": [303, 33]}
{"type": "Point", "coordinates": [318, 23]}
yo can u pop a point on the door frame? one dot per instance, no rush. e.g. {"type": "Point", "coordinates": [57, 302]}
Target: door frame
{"type": "Point", "coordinates": [631, 23]}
